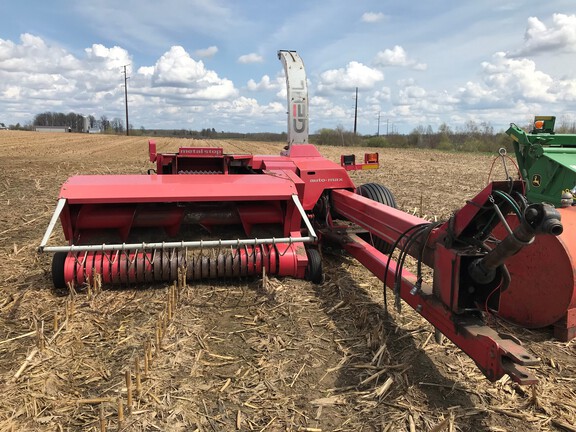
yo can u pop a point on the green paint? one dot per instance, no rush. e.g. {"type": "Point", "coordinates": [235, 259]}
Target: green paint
{"type": "Point", "coordinates": [547, 160]}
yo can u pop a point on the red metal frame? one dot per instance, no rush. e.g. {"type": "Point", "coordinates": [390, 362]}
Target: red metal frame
{"type": "Point", "coordinates": [249, 191]}
{"type": "Point", "coordinates": [494, 354]}
{"type": "Point", "coordinates": [447, 304]}
{"type": "Point", "coordinates": [111, 189]}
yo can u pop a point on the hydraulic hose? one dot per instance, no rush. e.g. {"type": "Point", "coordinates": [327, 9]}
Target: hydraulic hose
{"type": "Point", "coordinates": [538, 219]}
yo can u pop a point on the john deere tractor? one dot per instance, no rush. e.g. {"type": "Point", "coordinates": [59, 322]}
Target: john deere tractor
{"type": "Point", "coordinates": [547, 162]}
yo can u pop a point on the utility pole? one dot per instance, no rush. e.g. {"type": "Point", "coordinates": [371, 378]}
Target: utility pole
{"type": "Point", "coordinates": [126, 100]}
{"type": "Point", "coordinates": [378, 133]}
{"type": "Point", "coordinates": [356, 111]}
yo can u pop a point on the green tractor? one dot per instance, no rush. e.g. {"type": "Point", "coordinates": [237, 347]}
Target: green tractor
{"type": "Point", "coordinates": [547, 162]}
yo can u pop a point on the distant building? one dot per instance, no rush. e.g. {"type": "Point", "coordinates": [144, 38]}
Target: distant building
{"type": "Point", "coordinates": [52, 129]}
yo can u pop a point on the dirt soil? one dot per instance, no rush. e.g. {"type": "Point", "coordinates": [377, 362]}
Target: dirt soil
{"type": "Point", "coordinates": [242, 355]}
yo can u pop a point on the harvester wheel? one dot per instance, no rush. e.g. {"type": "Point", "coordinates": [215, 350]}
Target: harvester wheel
{"type": "Point", "coordinates": [58, 269]}
{"type": "Point", "coordinates": [314, 271]}
{"type": "Point", "coordinates": [377, 192]}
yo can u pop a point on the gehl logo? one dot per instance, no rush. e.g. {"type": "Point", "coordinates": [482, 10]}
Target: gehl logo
{"type": "Point", "coordinates": [299, 116]}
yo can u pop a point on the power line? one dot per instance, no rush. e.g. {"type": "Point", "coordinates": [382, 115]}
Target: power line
{"type": "Point", "coordinates": [356, 111]}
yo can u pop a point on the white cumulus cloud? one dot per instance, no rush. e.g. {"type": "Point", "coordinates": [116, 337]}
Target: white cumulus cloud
{"type": "Point", "coordinates": [176, 69]}
{"type": "Point", "coordinates": [513, 82]}
{"type": "Point", "coordinates": [37, 77]}
{"type": "Point", "coordinates": [250, 58]}
{"type": "Point", "coordinates": [396, 57]}
{"type": "Point", "coordinates": [355, 74]}
{"type": "Point", "coordinates": [518, 77]}
{"type": "Point", "coordinates": [559, 36]}
{"type": "Point", "coordinates": [372, 17]}
{"type": "Point", "coordinates": [206, 52]}
{"type": "Point", "coordinates": [265, 83]}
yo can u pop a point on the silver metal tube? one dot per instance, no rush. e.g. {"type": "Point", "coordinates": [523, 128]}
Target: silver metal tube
{"type": "Point", "coordinates": [197, 244]}
{"type": "Point", "coordinates": [59, 207]}
{"type": "Point", "coordinates": [304, 217]}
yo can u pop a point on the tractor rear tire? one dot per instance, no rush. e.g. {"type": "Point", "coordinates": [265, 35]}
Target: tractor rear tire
{"type": "Point", "coordinates": [381, 194]}
{"type": "Point", "coordinates": [314, 271]}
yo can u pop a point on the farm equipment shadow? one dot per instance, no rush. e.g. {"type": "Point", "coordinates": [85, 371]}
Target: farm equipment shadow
{"type": "Point", "coordinates": [377, 338]}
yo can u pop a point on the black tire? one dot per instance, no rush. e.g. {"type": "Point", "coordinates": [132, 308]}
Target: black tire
{"type": "Point", "coordinates": [314, 271]}
{"type": "Point", "coordinates": [377, 192]}
{"type": "Point", "coordinates": [58, 269]}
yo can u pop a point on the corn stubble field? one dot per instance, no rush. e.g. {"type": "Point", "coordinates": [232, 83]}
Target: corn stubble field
{"type": "Point", "coordinates": [243, 355]}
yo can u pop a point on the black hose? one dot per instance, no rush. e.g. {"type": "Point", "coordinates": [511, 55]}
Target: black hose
{"type": "Point", "coordinates": [403, 252]}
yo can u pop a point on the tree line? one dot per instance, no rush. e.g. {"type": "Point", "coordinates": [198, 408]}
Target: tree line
{"type": "Point", "coordinates": [472, 136]}
{"type": "Point", "coordinates": [75, 122]}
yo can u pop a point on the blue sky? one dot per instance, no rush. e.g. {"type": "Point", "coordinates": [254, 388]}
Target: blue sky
{"type": "Point", "coordinates": [195, 64]}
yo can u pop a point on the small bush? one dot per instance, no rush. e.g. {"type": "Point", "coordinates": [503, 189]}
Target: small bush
{"type": "Point", "coordinates": [336, 137]}
{"type": "Point", "coordinates": [377, 141]}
